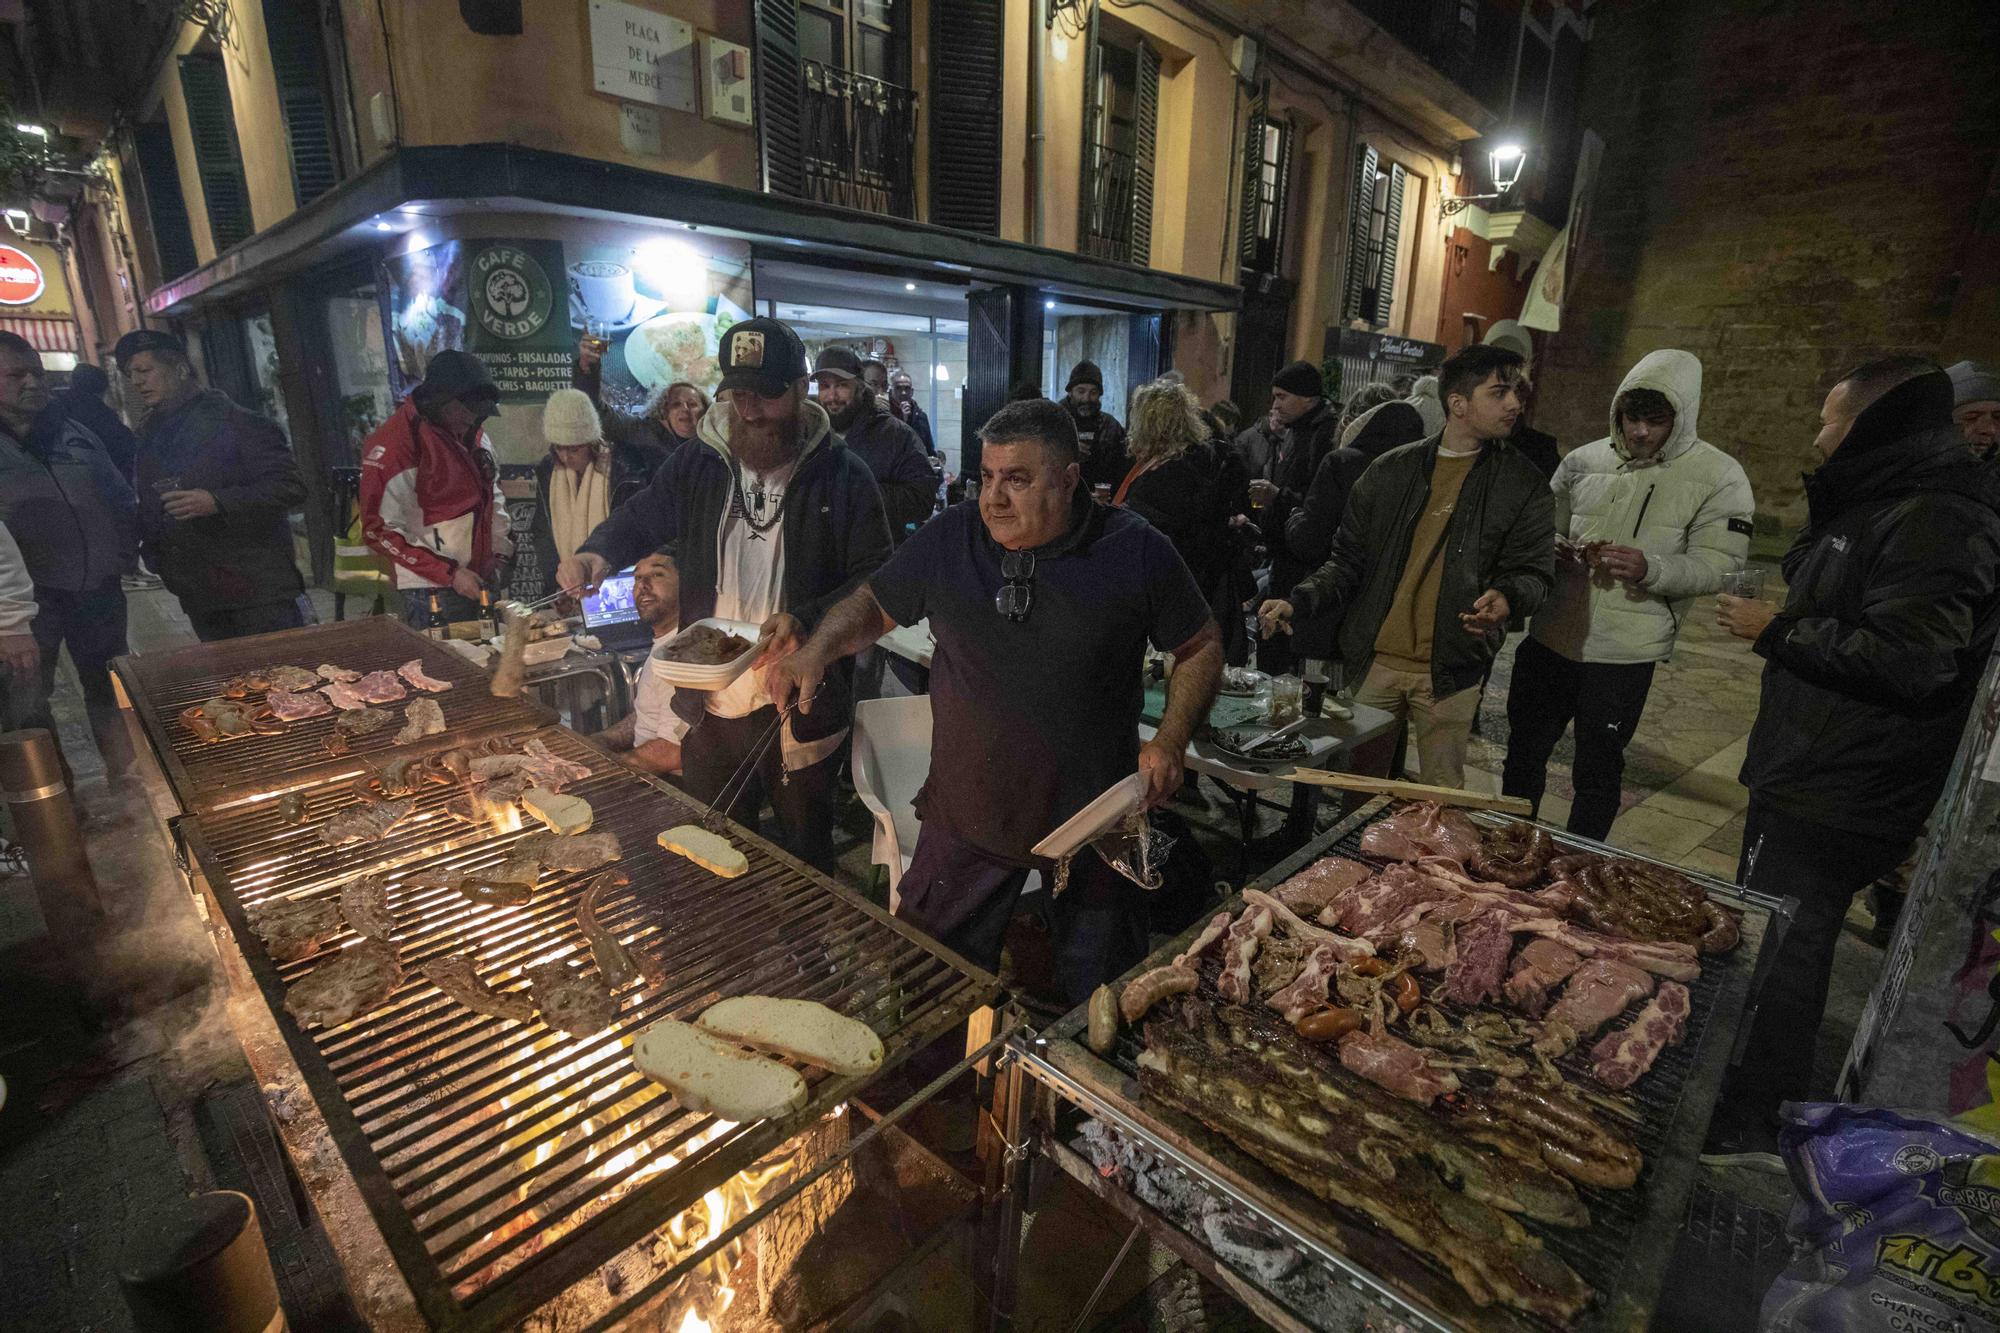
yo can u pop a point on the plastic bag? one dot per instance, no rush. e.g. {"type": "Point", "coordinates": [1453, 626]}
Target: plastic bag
{"type": "Point", "coordinates": [1135, 849]}
{"type": "Point", "coordinates": [1898, 1219]}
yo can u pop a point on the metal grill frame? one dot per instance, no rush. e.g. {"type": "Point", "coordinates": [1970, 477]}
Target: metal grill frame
{"type": "Point", "coordinates": [156, 686]}
{"type": "Point", "coordinates": [1356, 1252]}
{"type": "Point", "coordinates": [645, 1208]}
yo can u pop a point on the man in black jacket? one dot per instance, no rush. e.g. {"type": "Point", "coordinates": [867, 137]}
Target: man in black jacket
{"type": "Point", "coordinates": [878, 438]}
{"type": "Point", "coordinates": [1098, 433]}
{"type": "Point", "coordinates": [215, 485]}
{"type": "Point", "coordinates": [903, 402]}
{"type": "Point", "coordinates": [1442, 542]}
{"type": "Point", "coordinates": [84, 401]}
{"type": "Point", "coordinates": [1870, 671]}
{"type": "Point", "coordinates": [775, 520]}
{"type": "Point", "coordinates": [1308, 428]}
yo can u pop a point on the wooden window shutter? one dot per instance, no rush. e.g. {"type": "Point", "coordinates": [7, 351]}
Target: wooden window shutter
{"type": "Point", "coordinates": [1253, 175]}
{"type": "Point", "coordinates": [1360, 212]}
{"type": "Point", "coordinates": [1147, 113]}
{"type": "Point", "coordinates": [1091, 187]}
{"type": "Point", "coordinates": [217, 158]}
{"type": "Point", "coordinates": [966, 69]}
{"type": "Point", "coordinates": [298, 62]}
{"type": "Point", "coordinates": [173, 237]}
{"type": "Point", "coordinates": [780, 85]}
{"type": "Point", "coordinates": [1392, 230]}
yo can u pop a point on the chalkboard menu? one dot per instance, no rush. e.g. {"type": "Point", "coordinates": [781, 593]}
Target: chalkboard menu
{"type": "Point", "coordinates": [527, 581]}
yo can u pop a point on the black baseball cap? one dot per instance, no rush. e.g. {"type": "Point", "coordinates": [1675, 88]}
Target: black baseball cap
{"type": "Point", "coordinates": [762, 355]}
{"type": "Point", "coordinates": [145, 340]}
{"type": "Point", "coordinates": [838, 361]}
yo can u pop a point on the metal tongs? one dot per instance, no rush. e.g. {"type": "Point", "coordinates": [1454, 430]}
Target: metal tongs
{"type": "Point", "coordinates": [717, 815]}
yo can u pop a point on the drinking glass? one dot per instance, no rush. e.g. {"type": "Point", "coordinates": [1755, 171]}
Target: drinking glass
{"type": "Point", "coordinates": [1287, 700]}
{"type": "Point", "coordinates": [1745, 583]}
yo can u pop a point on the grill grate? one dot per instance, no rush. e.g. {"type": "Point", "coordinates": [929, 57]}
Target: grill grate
{"type": "Point", "coordinates": [1669, 1110]}
{"type": "Point", "coordinates": [504, 1161]}
{"type": "Point", "coordinates": [206, 774]}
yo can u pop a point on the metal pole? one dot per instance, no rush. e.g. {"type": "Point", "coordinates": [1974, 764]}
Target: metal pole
{"type": "Point", "coordinates": [1013, 1174]}
{"type": "Point", "coordinates": [33, 787]}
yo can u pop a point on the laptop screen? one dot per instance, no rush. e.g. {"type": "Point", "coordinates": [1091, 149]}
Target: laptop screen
{"type": "Point", "coordinates": [612, 603]}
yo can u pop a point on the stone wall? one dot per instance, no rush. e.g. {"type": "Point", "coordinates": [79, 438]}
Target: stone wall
{"type": "Point", "coordinates": [1787, 189]}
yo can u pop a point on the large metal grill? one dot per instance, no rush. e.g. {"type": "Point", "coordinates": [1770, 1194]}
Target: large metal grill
{"type": "Point", "coordinates": [1622, 1254]}
{"type": "Point", "coordinates": [205, 774]}
{"type": "Point", "coordinates": [504, 1162]}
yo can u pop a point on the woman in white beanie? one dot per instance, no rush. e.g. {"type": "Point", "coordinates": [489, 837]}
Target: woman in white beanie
{"type": "Point", "coordinates": [580, 481]}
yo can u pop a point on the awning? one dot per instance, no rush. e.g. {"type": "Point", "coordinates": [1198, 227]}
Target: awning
{"type": "Point", "coordinates": [45, 335]}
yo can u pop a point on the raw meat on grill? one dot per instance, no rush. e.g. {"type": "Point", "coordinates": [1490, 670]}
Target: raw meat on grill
{"type": "Point", "coordinates": [289, 707]}
{"type": "Point", "coordinates": [1149, 988]}
{"type": "Point", "coordinates": [572, 1000]}
{"type": "Point", "coordinates": [342, 695]}
{"type": "Point", "coordinates": [551, 767]}
{"type": "Point", "coordinates": [458, 977]}
{"type": "Point", "coordinates": [1596, 993]}
{"type": "Point", "coordinates": [1662, 958]}
{"type": "Point", "coordinates": [413, 672]}
{"type": "Point", "coordinates": [1239, 948]}
{"type": "Point", "coordinates": [1311, 890]}
{"type": "Point", "coordinates": [294, 928]}
{"type": "Point", "coordinates": [365, 904]}
{"type": "Point", "coordinates": [1621, 1057]}
{"type": "Point", "coordinates": [422, 718]}
{"type": "Point", "coordinates": [576, 851]}
{"type": "Point", "coordinates": [1422, 829]}
{"type": "Point", "coordinates": [1722, 930]}
{"type": "Point", "coordinates": [363, 720]}
{"type": "Point", "coordinates": [379, 687]}
{"type": "Point", "coordinates": [1307, 990]}
{"type": "Point", "coordinates": [1392, 1063]}
{"type": "Point", "coordinates": [1217, 927]}
{"type": "Point", "coordinates": [291, 679]}
{"type": "Point", "coordinates": [1515, 855]}
{"type": "Point", "coordinates": [1478, 971]}
{"type": "Point", "coordinates": [365, 822]}
{"type": "Point", "coordinates": [340, 674]}
{"type": "Point", "coordinates": [1292, 924]}
{"type": "Point", "coordinates": [1541, 966]}
{"type": "Point", "coordinates": [344, 988]}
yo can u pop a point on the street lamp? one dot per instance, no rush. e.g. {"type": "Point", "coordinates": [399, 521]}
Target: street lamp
{"type": "Point", "coordinates": [1507, 160]}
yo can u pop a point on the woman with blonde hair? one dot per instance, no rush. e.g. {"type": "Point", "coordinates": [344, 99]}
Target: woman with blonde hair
{"type": "Point", "coordinates": [1188, 485]}
{"type": "Point", "coordinates": [656, 432]}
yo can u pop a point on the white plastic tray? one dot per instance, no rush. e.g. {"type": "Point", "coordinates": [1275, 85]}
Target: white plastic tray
{"type": "Point", "coordinates": [1087, 825]}
{"type": "Point", "coordinates": [689, 676]}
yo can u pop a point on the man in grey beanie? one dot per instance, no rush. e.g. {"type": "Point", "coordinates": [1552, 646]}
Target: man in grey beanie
{"type": "Point", "coordinates": [1975, 406]}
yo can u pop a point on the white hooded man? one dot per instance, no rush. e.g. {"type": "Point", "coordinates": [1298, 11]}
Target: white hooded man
{"type": "Point", "coordinates": [1647, 519]}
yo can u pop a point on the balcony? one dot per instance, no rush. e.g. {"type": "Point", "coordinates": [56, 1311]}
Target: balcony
{"type": "Point", "coordinates": [1107, 213]}
{"type": "Point", "coordinates": [860, 141]}
{"type": "Point", "coordinates": [1470, 42]}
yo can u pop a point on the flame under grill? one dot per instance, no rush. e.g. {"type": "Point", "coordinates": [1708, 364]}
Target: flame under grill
{"type": "Point", "coordinates": [207, 774]}
{"type": "Point", "coordinates": [504, 1162]}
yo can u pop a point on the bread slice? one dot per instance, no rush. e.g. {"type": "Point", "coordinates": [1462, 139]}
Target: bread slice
{"type": "Point", "coordinates": [562, 813]}
{"type": "Point", "coordinates": [802, 1030]}
{"type": "Point", "coordinates": [709, 1074]}
{"type": "Point", "coordinates": [710, 851]}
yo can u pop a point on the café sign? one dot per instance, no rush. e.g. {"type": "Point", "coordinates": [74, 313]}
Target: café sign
{"type": "Point", "coordinates": [21, 281]}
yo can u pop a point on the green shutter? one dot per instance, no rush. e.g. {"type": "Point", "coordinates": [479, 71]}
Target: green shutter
{"type": "Point", "coordinates": [1253, 172]}
{"type": "Point", "coordinates": [779, 80]}
{"type": "Point", "coordinates": [298, 63]}
{"type": "Point", "coordinates": [217, 158]}
{"type": "Point", "coordinates": [1147, 113]}
{"type": "Point", "coordinates": [1360, 211]}
{"type": "Point", "coordinates": [966, 68]}
{"type": "Point", "coordinates": [166, 208]}
{"type": "Point", "coordinates": [1392, 229]}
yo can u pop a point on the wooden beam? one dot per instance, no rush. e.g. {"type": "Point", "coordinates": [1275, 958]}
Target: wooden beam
{"type": "Point", "coordinates": [1415, 791]}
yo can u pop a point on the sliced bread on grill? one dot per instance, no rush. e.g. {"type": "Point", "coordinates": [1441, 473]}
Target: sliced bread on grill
{"type": "Point", "coordinates": [710, 1074]}
{"type": "Point", "coordinates": [801, 1030]}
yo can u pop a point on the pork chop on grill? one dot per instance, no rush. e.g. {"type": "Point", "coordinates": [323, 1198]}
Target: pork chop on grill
{"type": "Point", "coordinates": [342, 989]}
{"type": "Point", "coordinates": [577, 851]}
{"type": "Point", "coordinates": [1422, 829]}
{"type": "Point", "coordinates": [422, 718]}
{"type": "Point", "coordinates": [379, 687]}
{"type": "Point", "coordinates": [413, 672]}
{"type": "Point", "coordinates": [1479, 969]}
{"type": "Point", "coordinates": [341, 695]}
{"type": "Point", "coordinates": [1392, 1063]}
{"type": "Point", "coordinates": [365, 904]}
{"type": "Point", "coordinates": [365, 822]}
{"type": "Point", "coordinates": [291, 679]}
{"type": "Point", "coordinates": [572, 1000]}
{"type": "Point", "coordinates": [458, 977]}
{"type": "Point", "coordinates": [337, 674]}
{"type": "Point", "coordinates": [1541, 966]}
{"type": "Point", "coordinates": [1621, 1057]}
{"type": "Point", "coordinates": [1597, 993]}
{"type": "Point", "coordinates": [294, 928]}
{"type": "Point", "coordinates": [289, 707]}
{"type": "Point", "coordinates": [1313, 889]}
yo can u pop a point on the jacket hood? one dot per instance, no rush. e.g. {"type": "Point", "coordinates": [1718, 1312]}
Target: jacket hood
{"type": "Point", "coordinates": [1424, 397]}
{"type": "Point", "coordinates": [1902, 442]}
{"type": "Point", "coordinates": [1677, 375]}
{"type": "Point", "coordinates": [1921, 403]}
{"type": "Point", "coordinates": [714, 428]}
{"type": "Point", "coordinates": [1383, 427]}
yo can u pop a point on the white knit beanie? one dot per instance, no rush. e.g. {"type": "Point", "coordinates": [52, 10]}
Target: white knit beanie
{"type": "Point", "coordinates": [569, 417]}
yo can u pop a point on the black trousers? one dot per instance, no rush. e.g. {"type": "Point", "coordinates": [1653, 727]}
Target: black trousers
{"type": "Point", "coordinates": [92, 625]}
{"type": "Point", "coordinates": [243, 620]}
{"type": "Point", "coordinates": [1823, 867]}
{"type": "Point", "coordinates": [802, 801]}
{"type": "Point", "coordinates": [964, 899]}
{"type": "Point", "coordinates": [1604, 699]}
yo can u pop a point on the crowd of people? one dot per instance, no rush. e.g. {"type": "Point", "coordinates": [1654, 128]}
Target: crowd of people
{"type": "Point", "coordinates": [1381, 548]}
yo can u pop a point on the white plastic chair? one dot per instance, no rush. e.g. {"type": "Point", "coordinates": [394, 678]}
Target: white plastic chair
{"type": "Point", "coordinates": [891, 759]}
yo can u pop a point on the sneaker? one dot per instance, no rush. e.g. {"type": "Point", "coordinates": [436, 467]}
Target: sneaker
{"type": "Point", "coordinates": [1743, 1148]}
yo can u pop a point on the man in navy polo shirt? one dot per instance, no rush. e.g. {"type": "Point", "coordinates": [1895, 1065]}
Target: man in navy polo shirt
{"type": "Point", "coordinates": [1042, 602]}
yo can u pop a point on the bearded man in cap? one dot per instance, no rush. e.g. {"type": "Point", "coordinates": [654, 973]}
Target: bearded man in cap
{"type": "Point", "coordinates": [775, 520]}
{"type": "Point", "coordinates": [430, 492]}
{"type": "Point", "coordinates": [1099, 437]}
{"type": "Point", "coordinates": [878, 438]}
{"type": "Point", "coordinates": [1307, 425]}
{"type": "Point", "coordinates": [215, 484]}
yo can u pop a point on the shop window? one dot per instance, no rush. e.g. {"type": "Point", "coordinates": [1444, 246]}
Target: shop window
{"type": "Point", "coordinates": [1121, 107]}
{"type": "Point", "coordinates": [1267, 170]}
{"type": "Point", "coordinates": [218, 159]}
{"type": "Point", "coordinates": [1375, 232]}
{"type": "Point", "coordinates": [263, 347]}
{"type": "Point", "coordinates": [966, 69]}
{"type": "Point", "coordinates": [364, 397]}
{"type": "Point", "coordinates": [836, 117]}
{"type": "Point", "coordinates": [152, 154]}
{"type": "Point", "coordinates": [298, 65]}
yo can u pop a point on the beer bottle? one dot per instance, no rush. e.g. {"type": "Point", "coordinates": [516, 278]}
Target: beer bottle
{"type": "Point", "coordinates": [486, 626]}
{"type": "Point", "coordinates": [436, 627]}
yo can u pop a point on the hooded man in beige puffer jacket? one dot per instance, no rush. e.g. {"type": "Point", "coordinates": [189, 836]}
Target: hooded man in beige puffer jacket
{"type": "Point", "coordinates": [1647, 519]}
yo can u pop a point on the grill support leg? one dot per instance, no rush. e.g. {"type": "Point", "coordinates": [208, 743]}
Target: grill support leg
{"type": "Point", "coordinates": [31, 781]}
{"type": "Point", "coordinates": [1012, 1159]}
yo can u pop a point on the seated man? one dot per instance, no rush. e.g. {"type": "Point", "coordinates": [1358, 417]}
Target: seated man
{"type": "Point", "coordinates": [649, 737]}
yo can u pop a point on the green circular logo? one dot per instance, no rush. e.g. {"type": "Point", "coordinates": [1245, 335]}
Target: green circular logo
{"type": "Point", "coordinates": [511, 296]}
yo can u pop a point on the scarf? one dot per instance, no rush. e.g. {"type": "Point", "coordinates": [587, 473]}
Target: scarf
{"type": "Point", "coordinates": [578, 504]}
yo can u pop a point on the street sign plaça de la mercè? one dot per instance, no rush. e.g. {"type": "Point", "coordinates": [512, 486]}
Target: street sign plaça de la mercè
{"type": "Point", "coordinates": [20, 277]}
{"type": "Point", "coordinates": [642, 55]}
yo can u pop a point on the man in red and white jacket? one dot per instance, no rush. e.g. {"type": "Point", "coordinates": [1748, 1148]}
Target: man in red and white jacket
{"type": "Point", "coordinates": [430, 491]}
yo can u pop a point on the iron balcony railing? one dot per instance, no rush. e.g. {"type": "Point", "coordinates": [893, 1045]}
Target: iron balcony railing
{"type": "Point", "coordinates": [1107, 221]}
{"type": "Point", "coordinates": [860, 141]}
